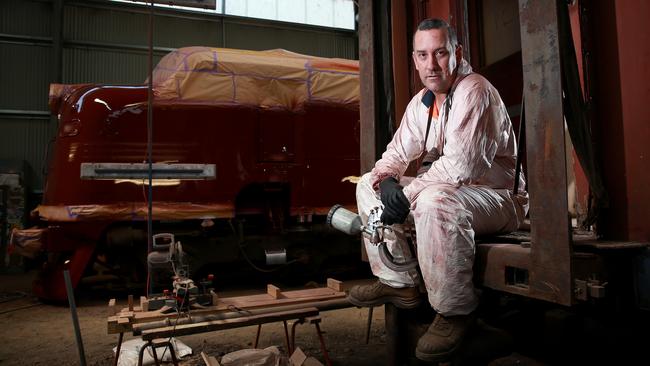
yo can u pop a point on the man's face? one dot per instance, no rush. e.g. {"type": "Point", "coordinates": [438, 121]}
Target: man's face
{"type": "Point", "coordinates": [432, 54]}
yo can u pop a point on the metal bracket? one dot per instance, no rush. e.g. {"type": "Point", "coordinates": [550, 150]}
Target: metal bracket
{"type": "Point", "coordinates": [584, 290]}
{"type": "Point", "coordinates": [580, 290]}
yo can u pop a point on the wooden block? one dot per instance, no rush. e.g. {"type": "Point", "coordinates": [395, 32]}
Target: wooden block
{"type": "Point", "coordinates": [112, 309]}
{"type": "Point", "coordinates": [215, 297]}
{"type": "Point", "coordinates": [334, 284]}
{"type": "Point", "coordinates": [144, 303]}
{"type": "Point", "coordinates": [209, 360]}
{"type": "Point", "coordinates": [338, 286]}
{"type": "Point", "coordinates": [274, 291]}
{"type": "Point", "coordinates": [122, 320]}
{"type": "Point", "coordinates": [130, 302]}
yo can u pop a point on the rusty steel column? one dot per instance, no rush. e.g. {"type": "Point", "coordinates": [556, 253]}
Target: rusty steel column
{"type": "Point", "coordinates": [367, 80]}
{"type": "Point", "coordinates": [550, 260]}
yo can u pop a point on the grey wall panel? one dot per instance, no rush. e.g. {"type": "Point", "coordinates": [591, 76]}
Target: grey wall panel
{"type": "Point", "coordinates": [27, 139]}
{"type": "Point", "coordinates": [25, 74]}
{"type": "Point", "coordinates": [330, 45]}
{"type": "Point", "coordinates": [91, 65]}
{"type": "Point", "coordinates": [181, 32]}
{"type": "Point", "coordinates": [249, 36]}
{"type": "Point", "coordinates": [116, 26]}
{"type": "Point", "coordinates": [104, 25]}
{"type": "Point", "coordinates": [26, 17]}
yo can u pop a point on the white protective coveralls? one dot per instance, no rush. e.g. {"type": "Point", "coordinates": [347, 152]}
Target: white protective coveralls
{"type": "Point", "coordinates": [467, 191]}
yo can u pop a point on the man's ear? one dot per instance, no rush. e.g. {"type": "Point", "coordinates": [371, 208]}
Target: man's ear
{"type": "Point", "coordinates": [459, 53]}
{"type": "Point", "coordinates": [414, 60]}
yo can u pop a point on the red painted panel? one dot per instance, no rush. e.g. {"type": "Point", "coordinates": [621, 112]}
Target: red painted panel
{"type": "Point", "coordinates": [582, 185]}
{"type": "Point", "coordinates": [633, 37]}
{"type": "Point", "coordinates": [621, 95]}
{"type": "Point", "coordinates": [108, 124]}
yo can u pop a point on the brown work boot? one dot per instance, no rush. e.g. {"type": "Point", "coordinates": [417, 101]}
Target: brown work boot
{"type": "Point", "coordinates": [444, 337]}
{"type": "Point", "coordinates": [379, 294]}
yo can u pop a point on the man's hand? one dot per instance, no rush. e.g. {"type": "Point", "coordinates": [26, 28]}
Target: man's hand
{"type": "Point", "coordinates": [396, 205]}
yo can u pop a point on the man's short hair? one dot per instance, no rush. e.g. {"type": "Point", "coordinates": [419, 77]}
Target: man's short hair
{"type": "Point", "coordinates": [435, 23]}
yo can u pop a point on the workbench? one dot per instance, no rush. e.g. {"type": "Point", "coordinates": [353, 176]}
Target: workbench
{"type": "Point", "coordinates": [275, 305]}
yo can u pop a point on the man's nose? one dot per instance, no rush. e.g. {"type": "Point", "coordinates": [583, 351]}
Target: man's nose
{"type": "Point", "coordinates": [433, 64]}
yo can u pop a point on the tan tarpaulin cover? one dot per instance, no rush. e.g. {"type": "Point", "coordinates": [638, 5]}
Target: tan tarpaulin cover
{"type": "Point", "coordinates": [268, 79]}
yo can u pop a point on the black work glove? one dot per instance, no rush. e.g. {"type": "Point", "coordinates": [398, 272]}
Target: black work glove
{"type": "Point", "coordinates": [396, 205]}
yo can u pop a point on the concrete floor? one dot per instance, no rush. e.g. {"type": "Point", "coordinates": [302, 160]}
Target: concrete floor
{"type": "Point", "coordinates": [34, 333]}
{"type": "Point", "coordinates": [40, 334]}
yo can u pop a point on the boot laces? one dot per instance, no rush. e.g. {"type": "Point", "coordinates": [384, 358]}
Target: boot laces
{"type": "Point", "coordinates": [440, 322]}
{"type": "Point", "coordinates": [376, 287]}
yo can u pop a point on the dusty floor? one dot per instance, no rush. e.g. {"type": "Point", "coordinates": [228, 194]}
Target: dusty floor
{"type": "Point", "coordinates": [34, 333]}
{"type": "Point", "coordinates": [39, 334]}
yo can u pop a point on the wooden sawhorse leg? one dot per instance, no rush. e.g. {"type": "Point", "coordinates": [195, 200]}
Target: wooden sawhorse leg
{"type": "Point", "coordinates": [316, 321]}
{"type": "Point", "coordinates": [286, 336]}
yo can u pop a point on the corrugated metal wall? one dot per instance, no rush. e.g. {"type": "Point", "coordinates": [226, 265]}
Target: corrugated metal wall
{"type": "Point", "coordinates": [106, 42]}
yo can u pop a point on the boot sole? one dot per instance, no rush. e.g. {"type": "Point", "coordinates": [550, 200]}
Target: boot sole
{"type": "Point", "coordinates": [441, 357]}
{"type": "Point", "coordinates": [436, 357]}
{"type": "Point", "coordinates": [397, 301]}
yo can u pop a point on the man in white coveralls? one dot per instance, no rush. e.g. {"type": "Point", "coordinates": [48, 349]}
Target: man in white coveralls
{"type": "Point", "coordinates": [463, 189]}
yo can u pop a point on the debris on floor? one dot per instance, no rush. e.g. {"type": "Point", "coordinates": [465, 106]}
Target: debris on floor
{"type": "Point", "coordinates": [269, 356]}
{"type": "Point", "coordinates": [131, 349]}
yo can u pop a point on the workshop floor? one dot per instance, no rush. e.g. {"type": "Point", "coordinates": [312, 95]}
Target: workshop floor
{"type": "Point", "coordinates": [39, 334]}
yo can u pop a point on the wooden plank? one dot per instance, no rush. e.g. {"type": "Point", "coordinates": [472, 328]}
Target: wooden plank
{"type": "Point", "coordinates": [145, 317]}
{"type": "Point", "coordinates": [144, 303]}
{"type": "Point", "coordinates": [112, 309]}
{"type": "Point", "coordinates": [277, 302]}
{"type": "Point", "coordinates": [209, 360]}
{"type": "Point", "coordinates": [274, 291]}
{"type": "Point", "coordinates": [130, 302]}
{"type": "Point", "coordinates": [123, 320]}
{"type": "Point", "coordinates": [185, 329]}
{"type": "Point", "coordinates": [295, 294]}
{"type": "Point", "coordinates": [250, 302]}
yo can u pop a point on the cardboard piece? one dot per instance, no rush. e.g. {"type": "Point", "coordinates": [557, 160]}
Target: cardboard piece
{"type": "Point", "coordinates": [298, 358]}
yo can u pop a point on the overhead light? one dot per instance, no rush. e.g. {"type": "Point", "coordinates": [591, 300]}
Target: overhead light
{"type": "Point", "coordinates": [154, 182]}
